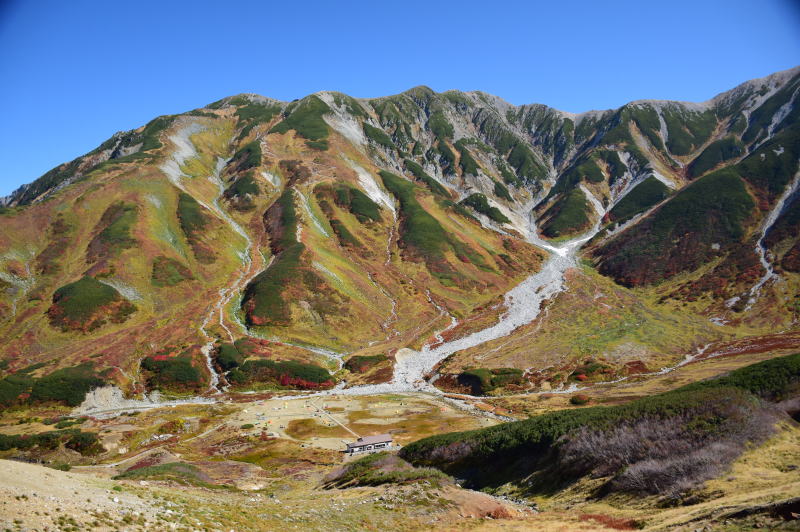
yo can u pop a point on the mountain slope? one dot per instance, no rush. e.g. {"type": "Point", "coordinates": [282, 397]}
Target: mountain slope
{"type": "Point", "coordinates": [331, 227]}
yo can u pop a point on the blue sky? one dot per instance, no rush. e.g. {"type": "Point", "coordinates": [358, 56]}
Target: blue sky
{"type": "Point", "coordinates": [73, 73]}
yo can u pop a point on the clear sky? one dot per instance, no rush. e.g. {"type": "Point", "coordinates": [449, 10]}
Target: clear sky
{"type": "Point", "coordinates": [74, 72]}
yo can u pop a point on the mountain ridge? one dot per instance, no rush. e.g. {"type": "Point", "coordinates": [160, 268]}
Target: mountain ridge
{"type": "Point", "coordinates": [781, 76]}
{"type": "Point", "coordinates": [253, 232]}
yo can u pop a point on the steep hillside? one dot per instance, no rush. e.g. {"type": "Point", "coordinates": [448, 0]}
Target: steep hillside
{"type": "Point", "coordinates": [331, 228]}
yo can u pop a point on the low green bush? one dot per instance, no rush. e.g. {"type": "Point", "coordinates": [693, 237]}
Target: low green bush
{"type": "Point", "coordinates": [714, 208]}
{"type": "Point", "coordinates": [86, 304]}
{"type": "Point", "coordinates": [521, 158]}
{"type": "Point", "coordinates": [466, 162]}
{"type": "Point", "coordinates": [382, 468]}
{"type": "Point", "coordinates": [263, 299]}
{"type": "Point", "coordinates": [480, 203]}
{"type": "Point", "coordinates": [319, 145]}
{"type": "Point", "coordinates": [419, 173]}
{"type": "Point", "coordinates": [567, 215]}
{"type": "Point", "coordinates": [378, 136]}
{"type": "Point", "coordinates": [440, 126]}
{"type": "Point", "coordinates": [190, 213]}
{"type": "Point", "coordinates": [362, 363]}
{"type": "Point", "coordinates": [721, 411]}
{"type": "Point", "coordinates": [482, 380]}
{"type": "Point", "coordinates": [179, 472]}
{"type": "Point", "coordinates": [251, 114]}
{"type": "Point", "coordinates": [305, 117]}
{"type": "Point", "coordinates": [346, 238]}
{"type": "Point", "coordinates": [229, 357]}
{"type": "Point", "coordinates": [715, 153]}
{"type": "Point", "coordinates": [688, 130]}
{"type": "Point", "coordinates": [86, 443]}
{"type": "Point", "coordinates": [643, 196]}
{"type": "Point", "coordinates": [286, 374]}
{"type": "Point", "coordinates": [248, 156]}
{"type": "Point", "coordinates": [172, 372]}
{"type": "Point", "coordinates": [359, 204]}
{"type": "Point", "coordinates": [193, 222]}
{"type": "Point", "coordinates": [169, 272]}
{"type": "Point", "coordinates": [502, 192]}
{"type": "Point", "coordinates": [68, 385]}
{"type": "Point", "coordinates": [117, 222]}
{"type": "Point", "coordinates": [421, 231]}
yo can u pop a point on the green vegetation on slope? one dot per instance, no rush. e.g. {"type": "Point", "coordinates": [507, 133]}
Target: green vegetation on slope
{"type": "Point", "coordinates": [587, 168]}
{"type": "Point", "coordinates": [717, 152]}
{"type": "Point", "coordinates": [773, 165]}
{"type": "Point", "coordinates": [194, 222]}
{"type": "Point", "coordinates": [149, 138]}
{"type": "Point", "coordinates": [305, 117]}
{"type": "Point", "coordinates": [115, 235]}
{"type": "Point", "coordinates": [323, 192]}
{"type": "Point", "coordinates": [248, 156]}
{"type": "Point", "coordinates": [761, 118]}
{"type": "Point", "coordinates": [687, 130]}
{"type": "Point", "coordinates": [440, 126]}
{"type": "Point", "coordinates": [286, 374]}
{"type": "Point", "coordinates": [482, 381]}
{"type": "Point", "coordinates": [421, 231]}
{"type": "Point", "coordinates": [467, 162]}
{"type": "Point", "coordinates": [119, 218]}
{"type": "Point", "coordinates": [243, 186]}
{"type": "Point", "coordinates": [447, 159]}
{"type": "Point", "coordinates": [169, 272]}
{"type": "Point", "coordinates": [86, 304]}
{"type": "Point", "coordinates": [679, 235]}
{"type": "Point", "coordinates": [643, 196]}
{"type": "Point", "coordinates": [418, 172]}
{"type": "Point", "coordinates": [67, 385]}
{"type": "Point", "coordinates": [178, 472]}
{"type": "Point", "coordinates": [785, 234]}
{"type": "Point", "coordinates": [521, 158]}
{"type": "Point", "coordinates": [423, 235]}
{"type": "Point", "coordinates": [190, 214]}
{"type": "Point", "coordinates": [480, 203]}
{"type": "Point", "coordinates": [85, 443]}
{"type": "Point", "coordinates": [229, 357]}
{"type": "Point", "coordinates": [47, 262]}
{"type": "Point", "coordinates": [358, 203]}
{"type": "Point", "coordinates": [378, 136]}
{"type": "Point", "coordinates": [660, 444]}
{"type": "Point", "coordinates": [568, 215]}
{"type": "Point", "coordinates": [501, 191]}
{"type": "Point", "coordinates": [251, 114]}
{"type": "Point", "coordinates": [263, 301]}
{"type": "Point", "coordinates": [172, 373]}
{"type": "Point", "coordinates": [382, 468]}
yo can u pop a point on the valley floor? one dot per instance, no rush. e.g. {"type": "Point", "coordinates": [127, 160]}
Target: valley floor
{"type": "Point", "coordinates": [260, 462]}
